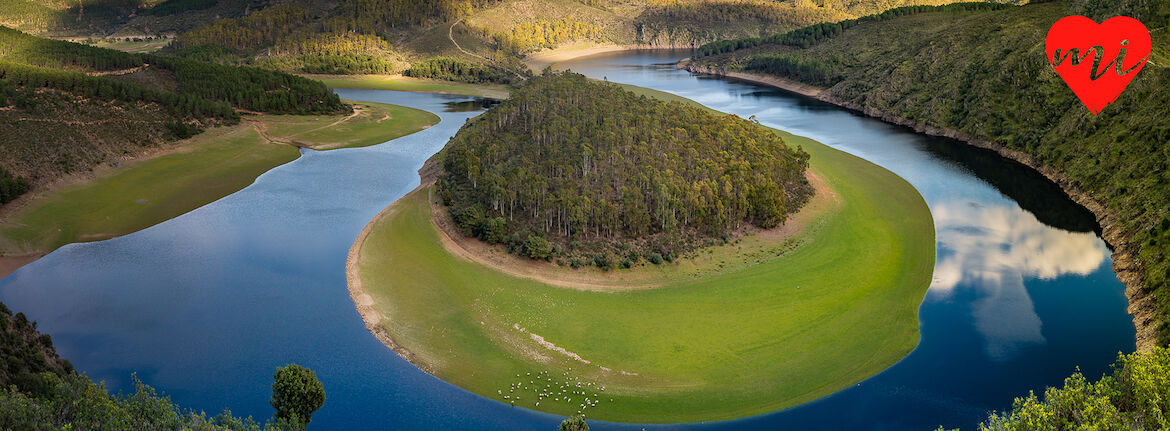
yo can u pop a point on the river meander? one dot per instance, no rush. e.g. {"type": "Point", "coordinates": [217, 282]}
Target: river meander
{"type": "Point", "coordinates": [206, 305]}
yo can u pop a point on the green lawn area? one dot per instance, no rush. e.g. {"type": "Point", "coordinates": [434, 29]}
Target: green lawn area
{"type": "Point", "coordinates": [372, 124]}
{"type": "Point", "coordinates": [403, 83]}
{"type": "Point", "coordinates": [756, 337]}
{"type": "Point", "coordinates": [214, 164]}
{"type": "Point", "coordinates": [132, 46]}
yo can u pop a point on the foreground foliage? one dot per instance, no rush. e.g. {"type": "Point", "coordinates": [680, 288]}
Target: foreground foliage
{"type": "Point", "coordinates": [41, 391]}
{"type": "Point", "coordinates": [296, 393]}
{"type": "Point", "coordinates": [1135, 397]}
{"type": "Point", "coordinates": [568, 160]}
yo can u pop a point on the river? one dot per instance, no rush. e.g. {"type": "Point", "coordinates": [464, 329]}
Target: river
{"type": "Point", "coordinates": [206, 305]}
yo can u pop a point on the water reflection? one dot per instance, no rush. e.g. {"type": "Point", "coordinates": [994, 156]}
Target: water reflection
{"type": "Point", "coordinates": [1023, 292]}
{"type": "Point", "coordinates": [995, 249]}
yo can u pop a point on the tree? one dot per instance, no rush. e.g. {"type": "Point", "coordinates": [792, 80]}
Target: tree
{"type": "Point", "coordinates": [575, 423]}
{"type": "Point", "coordinates": [296, 393]}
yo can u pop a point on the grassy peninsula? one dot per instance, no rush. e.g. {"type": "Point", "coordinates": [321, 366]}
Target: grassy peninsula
{"type": "Point", "coordinates": [974, 74]}
{"type": "Point", "coordinates": [790, 318]}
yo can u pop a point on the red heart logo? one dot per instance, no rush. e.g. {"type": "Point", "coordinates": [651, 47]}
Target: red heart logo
{"type": "Point", "coordinates": [1098, 60]}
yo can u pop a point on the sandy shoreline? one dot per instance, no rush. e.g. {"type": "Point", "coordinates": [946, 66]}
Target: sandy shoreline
{"type": "Point", "coordinates": [363, 302]}
{"type": "Point", "coordinates": [1142, 304]}
{"type": "Point", "coordinates": [11, 263]}
{"type": "Point", "coordinates": [539, 60]}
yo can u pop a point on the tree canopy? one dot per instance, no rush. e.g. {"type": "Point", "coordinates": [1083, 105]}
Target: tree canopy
{"type": "Point", "coordinates": [570, 167]}
{"type": "Point", "coordinates": [296, 393]}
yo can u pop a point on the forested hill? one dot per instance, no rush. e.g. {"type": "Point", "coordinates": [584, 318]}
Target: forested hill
{"type": "Point", "coordinates": [65, 107]}
{"type": "Point", "coordinates": [983, 73]}
{"type": "Point", "coordinates": [387, 36]}
{"type": "Point", "coordinates": [570, 168]}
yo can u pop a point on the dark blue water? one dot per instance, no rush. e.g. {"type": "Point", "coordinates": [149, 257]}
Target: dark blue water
{"type": "Point", "coordinates": [205, 306]}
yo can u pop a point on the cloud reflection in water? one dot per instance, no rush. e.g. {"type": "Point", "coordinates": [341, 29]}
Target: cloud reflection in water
{"type": "Point", "coordinates": [995, 248]}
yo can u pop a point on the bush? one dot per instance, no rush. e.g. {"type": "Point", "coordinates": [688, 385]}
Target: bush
{"type": "Point", "coordinates": [537, 247]}
{"type": "Point", "coordinates": [11, 187]}
{"type": "Point", "coordinates": [655, 258]}
{"type": "Point", "coordinates": [1134, 397]}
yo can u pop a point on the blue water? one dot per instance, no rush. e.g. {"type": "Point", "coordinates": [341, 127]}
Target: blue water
{"type": "Point", "coordinates": [205, 306]}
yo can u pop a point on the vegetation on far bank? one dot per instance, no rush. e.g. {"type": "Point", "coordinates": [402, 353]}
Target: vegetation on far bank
{"type": "Point", "coordinates": [69, 107]}
{"type": "Point", "coordinates": [996, 90]}
{"type": "Point", "coordinates": [140, 194]}
{"type": "Point", "coordinates": [575, 170]}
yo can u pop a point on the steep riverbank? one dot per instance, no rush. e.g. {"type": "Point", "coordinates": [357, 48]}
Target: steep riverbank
{"type": "Point", "coordinates": [1141, 303]}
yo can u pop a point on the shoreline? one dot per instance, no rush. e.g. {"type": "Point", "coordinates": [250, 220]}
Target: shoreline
{"type": "Point", "coordinates": [362, 301]}
{"type": "Point", "coordinates": [1140, 303]}
{"type": "Point", "coordinates": [537, 61]}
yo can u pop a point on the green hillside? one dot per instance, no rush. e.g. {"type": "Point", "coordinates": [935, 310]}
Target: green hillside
{"type": "Point", "coordinates": [982, 73]}
{"type": "Point", "coordinates": [73, 106]}
{"type": "Point", "coordinates": [387, 36]}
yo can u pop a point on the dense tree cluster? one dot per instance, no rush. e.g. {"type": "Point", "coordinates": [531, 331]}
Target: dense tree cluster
{"type": "Point", "coordinates": [19, 47]}
{"type": "Point", "coordinates": [247, 88]}
{"type": "Point", "coordinates": [809, 70]}
{"type": "Point", "coordinates": [376, 16]}
{"type": "Point", "coordinates": [543, 34]}
{"type": "Point", "coordinates": [171, 7]}
{"type": "Point", "coordinates": [454, 69]}
{"type": "Point", "coordinates": [333, 53]}
{"type": "Point", "coordinates": [567, 160]}
{"type": "Point", "coordinates": [25, 14]}
{"type": "Point", "coordinates": [1135, 397]}
{"type": "Point", "coordinates": [349, 38]}
{"type": "Point", "coordinates": [32, 77]}
{"type": "Point", "coordinates": [729, 11]}
{"type": "Point", "coordinates": [806, 36]}
{"type": "Point", "coordinates": [11, 187]}
{"type": "Point", "coordinates": [254, 30]}
{"type": "Point", "coordinates": [251, 88]}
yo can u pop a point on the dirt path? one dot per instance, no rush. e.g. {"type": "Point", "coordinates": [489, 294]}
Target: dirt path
{"type": "Point", "coordinates": [118, 72]}
{"type": "Point", "coordinates": [497, 258]}
{"type": "Point", "coordinates": [451, 36]}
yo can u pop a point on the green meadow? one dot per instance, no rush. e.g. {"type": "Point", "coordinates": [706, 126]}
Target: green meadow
{"type": "Point", "coordinates": [216, 163]}
{"type": "Point", "coordinates": [404, 83]}
{"type": "Point", "coordinates": [834, 304]}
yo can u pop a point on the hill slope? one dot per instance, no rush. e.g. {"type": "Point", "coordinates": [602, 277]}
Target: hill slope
{"type": "Point", "coordinates": [66, 107]}
{"type": "Point", "coordinates": [982, 77]}
{"type": "Point", "coordinates": [597, 170]}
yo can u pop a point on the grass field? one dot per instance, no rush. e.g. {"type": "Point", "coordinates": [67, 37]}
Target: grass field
{"type": "Point", "coordinates": [839, 306]}
{"type": "Point", "coordinates": [214, 164]}
{"type": "Point", "coordinates": [372, 124]}
{"type": "Point", "coordinates": [404, 83]}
